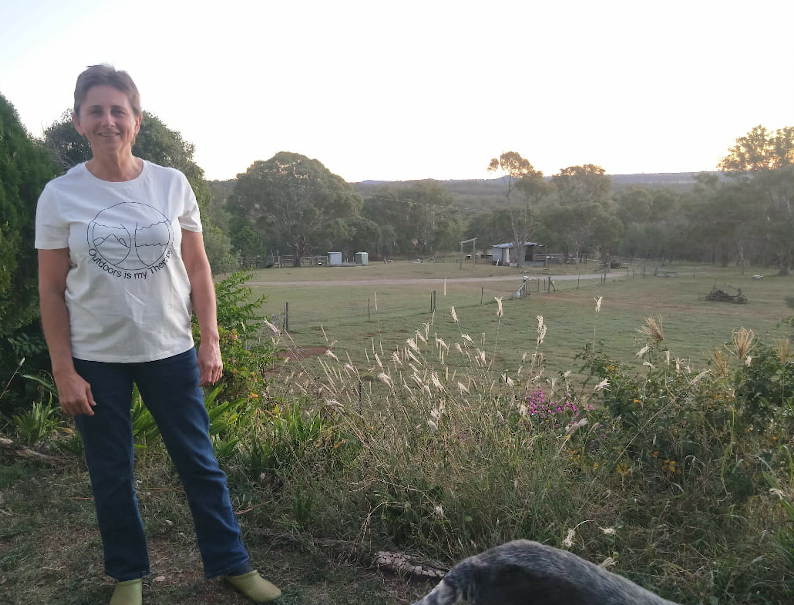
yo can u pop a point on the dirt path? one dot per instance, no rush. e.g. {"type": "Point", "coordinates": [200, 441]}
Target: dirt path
{"type": "Point", "coordinates": [426, 280]}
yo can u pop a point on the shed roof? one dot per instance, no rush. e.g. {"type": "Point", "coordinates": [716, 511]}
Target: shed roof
{"type": "Point", "coordinates": [510, 245]}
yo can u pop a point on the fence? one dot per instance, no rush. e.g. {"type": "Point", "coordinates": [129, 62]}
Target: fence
{"type": "Point", "coordinates": [388, 302]}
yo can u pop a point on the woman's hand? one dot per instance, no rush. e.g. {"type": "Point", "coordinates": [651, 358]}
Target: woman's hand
{"type": "Point", "coordinates": [74, 394]}
{"type": "Point", "coordinates": [210, 363]}
{"type": "Point", "coordinates": [203, 297]}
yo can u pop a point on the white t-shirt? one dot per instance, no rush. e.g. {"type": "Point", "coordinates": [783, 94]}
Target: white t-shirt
{"type": "Point", "coordinates": [127, 290]}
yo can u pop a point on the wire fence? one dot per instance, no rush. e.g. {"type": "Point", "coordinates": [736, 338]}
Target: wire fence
{"type": "Point", "coordinates": [343, 304]}
{"type": "Point", "coordinates": [389, 302]}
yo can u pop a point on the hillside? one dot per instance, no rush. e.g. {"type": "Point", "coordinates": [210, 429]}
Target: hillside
{"type": "Point", "coordinates": [477, 195]}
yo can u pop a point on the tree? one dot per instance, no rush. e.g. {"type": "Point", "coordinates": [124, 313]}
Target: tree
{"type": "Point", "coordinates": [351, 235]}
{"type": "Point", "coordinates": [760, 150]}
{"type": "Point", "coordinates": [585, 205]}
{"type": "Point", "coordinates": [490, 228]}
{"type": "Point", "coordinates": [246, 240]}
{"type": "Point", "coordinates": [519, 174]}
{"type": "Point", "coordinates": [774, 215]}
{"type": "Point", "coordinates": [25, 167]}
{"type": "Point", "coordinates": [386, 210]}
{"type": "Point", "coordinates": [649, 216]}
{"type": "Point", "coordinates": [296, 195]}
{"type": "Point", "coordinates": [580, 184]}
{"type": "Point", "coordinates": [762, 167]}
{"type": "Point", "coordinates": [434, 221]}
{"type": "Point", "coordinates": [417, 219]}
{"type": "Point", "coordinates": [719, 217]}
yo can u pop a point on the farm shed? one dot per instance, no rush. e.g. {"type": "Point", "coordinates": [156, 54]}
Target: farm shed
{"type": "Point", "coordinates": [335, 259]}
{"type": "Point", "coordinates": [503, 254]}
{"type": "Point", "coordinates": [362, 258]}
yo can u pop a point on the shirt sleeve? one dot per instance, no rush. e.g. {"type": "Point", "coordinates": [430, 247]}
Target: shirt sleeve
{"type": "Point", "coordinates": [52, 232]}
{"type": "Point", "coordinates": [190, 219]}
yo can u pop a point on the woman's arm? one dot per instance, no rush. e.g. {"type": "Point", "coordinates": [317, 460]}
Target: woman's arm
{"type": "Point", "coordinates": [203, 296]}
{"type": "Point", "coordinates": [74, 393]}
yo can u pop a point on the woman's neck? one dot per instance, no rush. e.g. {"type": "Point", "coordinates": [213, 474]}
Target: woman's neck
{"type": "Point", "coordinates": [115, 169]}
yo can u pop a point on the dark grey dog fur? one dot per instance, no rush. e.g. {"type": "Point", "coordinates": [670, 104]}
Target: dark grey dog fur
{"type": "Point", "coordinates": [528, 573]}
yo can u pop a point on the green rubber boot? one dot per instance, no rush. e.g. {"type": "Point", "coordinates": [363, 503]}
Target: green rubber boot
{"type": "Point", "coordinates": [254, 586]}
{"type": "Point", "coordinates": [128, 593]}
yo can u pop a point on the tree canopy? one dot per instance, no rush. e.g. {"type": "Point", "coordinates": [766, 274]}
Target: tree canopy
{"type": "Point", "coordinates": [25, 167]}
{"type": "Point", "coordinates": [522, 217]}
{"type": "Point", "coordinates": [760, 150]}
{"type": "Point", "coordinates": [296, 196]}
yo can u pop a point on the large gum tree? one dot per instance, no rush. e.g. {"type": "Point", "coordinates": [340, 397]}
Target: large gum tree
{"type": "Point", "coordinates": [295, 196]}
{"type": "Point", "coordinates": [761, 166]}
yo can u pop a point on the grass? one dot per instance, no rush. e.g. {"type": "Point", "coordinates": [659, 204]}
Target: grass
{"type": "Point", "coordinates": [50, 550]}
{"type": "Point", "coordinates": [344, 314]}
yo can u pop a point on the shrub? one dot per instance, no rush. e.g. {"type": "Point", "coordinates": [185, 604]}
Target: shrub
{"type": "Point", "coordinates": [246, 353]}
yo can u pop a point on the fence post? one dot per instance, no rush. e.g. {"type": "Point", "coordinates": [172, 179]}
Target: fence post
{"type": "Point", "coordinates": [369, 315]}
{"type": "Point", "coordinates": [482, 294]}
{"type": "Point", "coordinates": [286, 317]}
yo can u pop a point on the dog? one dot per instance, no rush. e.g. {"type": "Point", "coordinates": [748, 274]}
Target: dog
{"type": "Point", "coordinates": [523, 572]}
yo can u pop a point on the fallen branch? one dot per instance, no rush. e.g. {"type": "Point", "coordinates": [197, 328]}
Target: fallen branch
{"type": "Point", "coordinates": [10, 448]}
{"type": "Point", "coordinates": [389, 561]}
{"type": "Point", "coordinates": [401, 563]}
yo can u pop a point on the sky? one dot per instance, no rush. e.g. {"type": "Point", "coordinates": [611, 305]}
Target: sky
{"type": "Point", "coordinates": [421, 89]}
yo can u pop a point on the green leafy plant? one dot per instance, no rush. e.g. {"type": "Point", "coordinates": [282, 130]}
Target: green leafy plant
{"type": "Point", "coordinates": [246, 354]}
{"type": "Point", "coordinates": [236, 310]}
{"type": "Point", "coordinates": [225, 449]}
{"type": "Point", "coordinates": [765, 388]}
{"type": "Point", "coordinates": [38, 422]}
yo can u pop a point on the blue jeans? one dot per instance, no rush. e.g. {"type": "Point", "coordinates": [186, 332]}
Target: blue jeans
{"type": "Point", "coordinates": [170, 389]}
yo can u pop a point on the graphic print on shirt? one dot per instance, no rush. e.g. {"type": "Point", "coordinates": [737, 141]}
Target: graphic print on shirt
{"type": "Point", "coordinates": [130, 240]}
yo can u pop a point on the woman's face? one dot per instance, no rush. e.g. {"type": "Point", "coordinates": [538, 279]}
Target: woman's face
{"type": "Point", "coordinates": [107, 120]}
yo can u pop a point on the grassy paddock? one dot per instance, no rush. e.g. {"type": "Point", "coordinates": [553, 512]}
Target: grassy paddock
{"type": "Point", "coordinates": [355, 316]}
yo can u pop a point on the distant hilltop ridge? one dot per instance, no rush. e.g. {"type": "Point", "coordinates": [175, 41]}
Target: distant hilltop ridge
{"type": "Point", "coordinates": [680, 181]}
{"type": "Point", "coordinates": [662, 179]}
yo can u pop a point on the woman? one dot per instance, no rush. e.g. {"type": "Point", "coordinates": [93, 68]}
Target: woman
{"type": "Point", "coordinates": [121, 267]}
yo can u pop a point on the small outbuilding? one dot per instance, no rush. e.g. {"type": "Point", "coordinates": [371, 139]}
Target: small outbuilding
{"type": "Point", "coordinates": [362, 258]}
{"type": "Point", "coordinates": [503, 253]}
{"type": "Point", "coordinates": [335, 259]}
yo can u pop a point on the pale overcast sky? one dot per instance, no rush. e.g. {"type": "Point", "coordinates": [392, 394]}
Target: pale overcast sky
{"type": "Point", "coordinates": [422, 89]}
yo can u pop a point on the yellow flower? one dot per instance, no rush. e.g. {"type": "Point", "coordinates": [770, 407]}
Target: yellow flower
{"type": "Point", "coordinates": [254, 396]}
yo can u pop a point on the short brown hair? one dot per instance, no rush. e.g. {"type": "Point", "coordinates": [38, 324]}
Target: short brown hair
{"type": "Point", "coordinates": [106, 75]}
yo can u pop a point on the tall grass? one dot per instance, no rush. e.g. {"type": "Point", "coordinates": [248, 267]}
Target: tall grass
{"type": "Point", "coordinates": [657, 466]}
